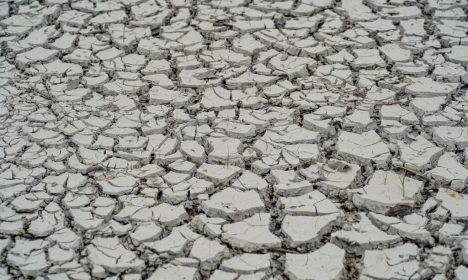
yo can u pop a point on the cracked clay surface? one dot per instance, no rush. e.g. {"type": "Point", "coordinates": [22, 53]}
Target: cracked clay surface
{"type": "Point", "coordinates": [233, 139]}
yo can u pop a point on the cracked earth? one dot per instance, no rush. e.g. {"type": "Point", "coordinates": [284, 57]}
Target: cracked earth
{"type": "Point", "coordinates": [234, 139]}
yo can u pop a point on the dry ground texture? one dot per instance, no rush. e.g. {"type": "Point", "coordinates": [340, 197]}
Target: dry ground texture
{"type": "Point", "coordinates": [233, 139]}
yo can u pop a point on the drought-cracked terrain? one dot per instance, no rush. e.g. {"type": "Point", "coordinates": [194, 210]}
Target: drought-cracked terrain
{"type": "Point", "coordinates": [234, 139]}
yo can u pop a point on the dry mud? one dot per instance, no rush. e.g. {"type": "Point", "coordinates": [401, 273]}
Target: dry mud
{"type": "Point", "coordinates": [233, 139]}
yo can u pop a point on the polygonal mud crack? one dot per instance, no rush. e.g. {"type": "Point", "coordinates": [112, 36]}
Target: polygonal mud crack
{"type": "Point", "coordinates": [233, 139]}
